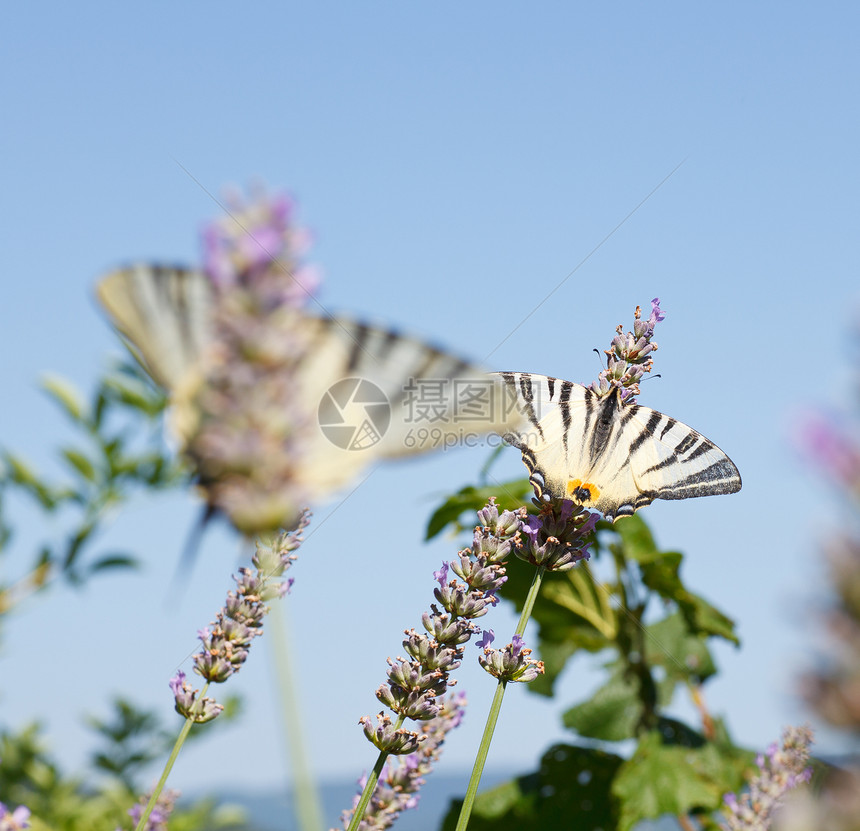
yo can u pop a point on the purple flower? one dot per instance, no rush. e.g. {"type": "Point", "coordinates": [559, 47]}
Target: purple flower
{"type": "Point", "coordinates": [780, 770]}
{"type": "Point", "coordinates": [158, 817]}
{"type": "Point", "coordinates": [558, 538]}
{"type": "Point", "coordinates": [414, 685]}
{"type": "Point", "coordinates": [511, 663]}
{"type": "Point", "coordinates": [531, 526]}
{"type": "Point", "coordinates": [629, 355]}
{"type": "Point", "coordinates": [256, 246]}
{"type": "Point", "coordinates": [402, 776]}
{"type": "Point", "coordinates": [832, 447]}
{"type": "Point", "coordinates": [245, 431]}
{"type": "Point", "coordinates": [14, 820]}
{"type": "Point", "coordinates": [177, 681]}
{"type": "Point", "coordinates": [486, 639]}
{"type": "Point", "coordinates": [227, 639]}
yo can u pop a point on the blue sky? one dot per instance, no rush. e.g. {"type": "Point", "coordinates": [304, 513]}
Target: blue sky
{"type": "Point", "coordinates": [455, 163]}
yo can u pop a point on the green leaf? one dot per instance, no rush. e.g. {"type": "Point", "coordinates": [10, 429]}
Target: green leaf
{"type": "Point", "coordinates": [663, 779]}
{"type": "Point", "coordinates": [19, 472]}
{"type": "Point", "coordinates": [136, 395]}
{"type": "Point", "coordinates": [75, 546]}
{"type": "Point", "coordinates": [611, 714]}
{"type": "Point", "coordinates": [661, 574]}
{"type": "Point", "coordinates": [509, 496]}
{"type": "Point", "coordinates": [685, 656]}
{"type": "Point", "coordinates": [113, 561]}
{"type": "Point", "coordinates": [65, 395]}
{"type": "Point", "coordinates": [636, 538]}
{"type": "Point", "coordinates": [80, 463]}
{"type": "Point", "coordinates": [570, 790]}
{"type": "Point", "coordinates": [676, 732]}
{"type": "Point", "coordinates": [709, 620]}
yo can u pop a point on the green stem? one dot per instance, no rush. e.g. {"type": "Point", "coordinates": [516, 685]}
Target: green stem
{"type": "Point", "coordinates": [370, 785]}
{"type": "Point", "coordinates": [493, 716]}
{"type": "Point", "coordinates": [309, 813]}
{"type": "Point", "coordinates": [180, 740]}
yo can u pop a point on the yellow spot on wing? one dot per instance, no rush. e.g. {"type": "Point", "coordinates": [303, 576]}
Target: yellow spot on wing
{"type": "Point", "coordinates": [581, 491]}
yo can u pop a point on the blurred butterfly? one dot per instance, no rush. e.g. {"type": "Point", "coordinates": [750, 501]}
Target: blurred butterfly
{"type": "Point", "coordinates": [610, 454]}
{"type": "Point", "coordinates": [165, 316]}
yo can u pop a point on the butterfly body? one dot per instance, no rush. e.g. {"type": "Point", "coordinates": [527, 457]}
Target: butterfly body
{"type": "Point", "coordinates": [608, 453]}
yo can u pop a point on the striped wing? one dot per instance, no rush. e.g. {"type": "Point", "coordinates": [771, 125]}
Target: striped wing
{"type": "Point", "coordinates": [609, 455]}
{"type": "Point", "coordinates": [435, 399]}
{"type": "Point", "coordinates": [163, 315]}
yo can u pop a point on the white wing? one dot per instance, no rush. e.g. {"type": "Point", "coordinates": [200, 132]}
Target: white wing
{"type": "Point", "coordinates": [164, 314]}
{"type": "Point", "coordinates": [608, 455]}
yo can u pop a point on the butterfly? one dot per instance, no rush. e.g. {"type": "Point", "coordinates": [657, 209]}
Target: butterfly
{"type": "Point", "coordinates": [359, 384]}
{"type": "Point", "coordinates": [610, 454]}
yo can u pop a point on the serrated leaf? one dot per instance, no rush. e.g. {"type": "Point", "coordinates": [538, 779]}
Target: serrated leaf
{"type": "Point", "coordinates": [570, 790]}
{"type": "Point", "coordinates": [662, 779]}
{"type": "Point", "coordinates": [611, 714]}
{"type": "Point", "coordinates": [65, 395]}
{"type": "Point", "coordinates": [80, 463]}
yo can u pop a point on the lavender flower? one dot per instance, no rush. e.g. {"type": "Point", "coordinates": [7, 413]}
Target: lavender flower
{"type": "Point", "coordinates": [834, 447]}
{"type": "Point", "coordinates": [389, 739]}
{"type": "Point", "coordinates": [402, 777]}
{"type": "Point", "coordinates": [159, 815]}
{"type": "Point", "coordinates": [486, 639]}
{"type": "Point", "coordinates": [415, 683]}
{"type": "Point", "coordinates": [628, 358]}
{"type": "Point", "coordinates": [558, 538]}
{"type": "Point", "coordinates": [14, 820]}
{"type": "Point", "coordinates": [779, 770]}
{"type": "Point", "coordinates": [244, 247]}
{"type": "Point", "coordinates": [511, 663]}
{"type": "Point", "coordinates": [227, 640]}
{"type": "Point", "coordinates": [245, 431]}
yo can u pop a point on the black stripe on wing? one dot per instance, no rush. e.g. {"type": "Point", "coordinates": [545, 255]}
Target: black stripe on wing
{"type": "Point", "coordinates": [520, 387]}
